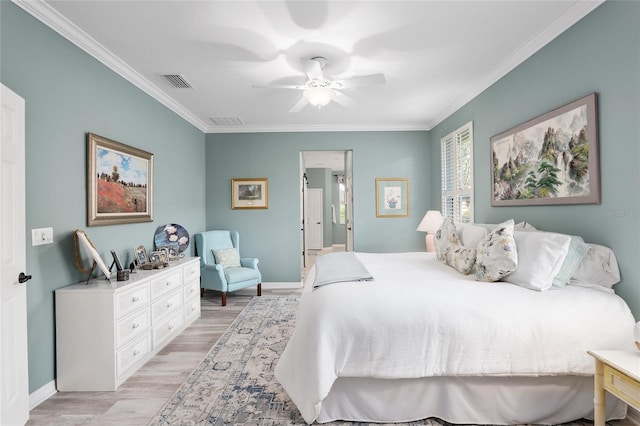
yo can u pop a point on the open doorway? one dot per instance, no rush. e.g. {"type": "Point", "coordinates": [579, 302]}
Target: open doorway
{"type": "Point", "coordinates": [326, 202]}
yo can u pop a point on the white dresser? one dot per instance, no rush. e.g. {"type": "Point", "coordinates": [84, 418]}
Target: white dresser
{"type": "Point", "coordinates": [106, 331]}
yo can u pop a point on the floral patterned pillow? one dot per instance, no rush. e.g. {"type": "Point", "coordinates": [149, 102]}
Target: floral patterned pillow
{"type": "Point", "coordinates": [497, 255]}
{"type": "Point", "coordinates": [461, 258]}
{"type": "Point", "coordinates": [445, 236]}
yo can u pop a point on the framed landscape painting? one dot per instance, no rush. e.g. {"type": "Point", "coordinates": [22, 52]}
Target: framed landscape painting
{"type": "Point", "coordinates": [551, 159]}
{"type": "Point", "coordinates": [119, 183]}
{"type": "Point", "coordinates": [392, 197]}
{"type": "Point", "coordinates": [250, 193]}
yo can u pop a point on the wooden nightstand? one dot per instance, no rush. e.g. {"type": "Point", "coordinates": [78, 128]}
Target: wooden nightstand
{"type": "Point", "coordinates": [617, 372]}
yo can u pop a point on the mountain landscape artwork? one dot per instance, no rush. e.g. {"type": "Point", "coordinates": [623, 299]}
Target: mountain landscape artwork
{"type": "Point", "coordinates": [551, 159]}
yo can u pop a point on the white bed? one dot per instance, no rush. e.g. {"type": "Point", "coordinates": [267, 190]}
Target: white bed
{"type": "Point", "coordinates": [422, 340]}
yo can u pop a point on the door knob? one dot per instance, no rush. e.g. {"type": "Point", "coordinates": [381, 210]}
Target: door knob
{"type": "Point", "coordinates": [22, 278]}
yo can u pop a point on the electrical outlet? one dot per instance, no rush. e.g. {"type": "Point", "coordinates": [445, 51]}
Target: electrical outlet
{"type": "Point", "coordinates": [41, 236]}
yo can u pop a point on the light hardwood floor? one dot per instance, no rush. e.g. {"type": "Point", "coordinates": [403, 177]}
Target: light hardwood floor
{"type": "Point", "coordinates": [137, 400]}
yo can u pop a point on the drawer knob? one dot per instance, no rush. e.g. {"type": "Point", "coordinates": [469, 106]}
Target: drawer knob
{"type": "Point", "coordinates": [136, 325]}
{"type": "Point", "coordinates": [169, 305]}
{"type": "Point", "coordinates": [135, 299]}
{"type": "Point", "coordinates": [168, 283]}
{"type": "Point", "coordinates": [171, 327]}
{"type": "Point", "coordinates": [136, 352]}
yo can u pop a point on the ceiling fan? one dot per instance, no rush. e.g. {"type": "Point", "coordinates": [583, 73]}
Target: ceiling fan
{"type": "Point", "coordinates": [320, 90]}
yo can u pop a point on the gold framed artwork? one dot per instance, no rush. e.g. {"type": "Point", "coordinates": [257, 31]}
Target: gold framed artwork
{"type": "Point", "coordinates": [250, 193]}
{"type": "Point", "coordinates": [119, 183]}
{"type": "Point", "coordinates": [392, 197]}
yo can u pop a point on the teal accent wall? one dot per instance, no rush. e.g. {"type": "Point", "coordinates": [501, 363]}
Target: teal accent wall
{"type": "Point", "coordinates": [601, 54]}
{"type": "Point", "coordinates": [67, 94]}
{"type": "Point", "coordinates": [273, 235]}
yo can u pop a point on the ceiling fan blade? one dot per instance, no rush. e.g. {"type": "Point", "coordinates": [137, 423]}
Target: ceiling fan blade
{"type": "Point", "coordinates": [279, 86]}
{"type": "Point", "coordinates": [344, 100]}
{"type": "Point", "coordinates": [299, 106]}
{"type": "Point", "coordinates": [312, 68]}
{"type": "Point", "coordinates": [362, 80]}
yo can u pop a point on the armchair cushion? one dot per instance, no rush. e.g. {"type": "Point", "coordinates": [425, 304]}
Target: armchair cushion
{"type": "Point", "coordinates": [236, 275]}
{"type": "Point", "coordinates": [227, 257]}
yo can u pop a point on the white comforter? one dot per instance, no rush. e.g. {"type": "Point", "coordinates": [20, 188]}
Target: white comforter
{"type": "Point", "coordinates": [421, 318]}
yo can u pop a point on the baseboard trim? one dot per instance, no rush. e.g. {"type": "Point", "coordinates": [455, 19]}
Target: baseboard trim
{"type": "Point", "coordinates": [273, 285]}
{"type": "Point", "coordinates": [41, 395]}
{"type": "Point", "coordinates": [633, 416]}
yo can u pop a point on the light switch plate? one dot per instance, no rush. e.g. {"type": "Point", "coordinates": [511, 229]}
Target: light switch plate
{"type": "Point", "coordinates": [41, 236]}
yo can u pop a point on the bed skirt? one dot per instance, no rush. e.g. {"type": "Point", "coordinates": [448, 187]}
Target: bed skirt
{"type": "Point", "coordinates": [470, 400]}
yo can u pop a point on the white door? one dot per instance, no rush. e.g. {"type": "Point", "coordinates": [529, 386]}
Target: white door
{"type": "Point", "coordinates": [314, 226]}
{"type": "Point", "coordinates": [14, 383]}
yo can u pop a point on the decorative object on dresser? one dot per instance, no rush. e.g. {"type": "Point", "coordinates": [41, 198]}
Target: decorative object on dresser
{"type": "Point", "coordinates": [392, 197]}
{"type": "Point", "coordinates": [551, 159]}
{"type": "Point", "coordinates": [221, 267]}
{"type": "Point", "coordinates": [250, 193]}
{"type": "Point", "coordinates": [81, 236]}
{"type": "Point", "coordinates": [106, 331]}
{"type": "Point", "coordinates": [140, 256]}
{"type": "Point", "coordinates": [430, 224]}
{"type": "Point", "coordinates": [170, 235]}
{"type": "Point", "coordinates": [119, 183]}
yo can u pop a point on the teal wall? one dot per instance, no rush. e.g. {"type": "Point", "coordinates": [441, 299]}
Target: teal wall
{"type": "Point", "coordinates": [273, 235]}
{"type": "Point", "coordinates": [601, 53]}
{"type": "Point", "coordinates": [68, 94]}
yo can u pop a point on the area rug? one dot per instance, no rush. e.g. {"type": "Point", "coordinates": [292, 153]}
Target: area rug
{"type": "Point", "coordinates": [234, 384]}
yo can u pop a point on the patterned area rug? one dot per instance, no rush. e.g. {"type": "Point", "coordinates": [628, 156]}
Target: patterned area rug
{"type": "Point", "coordinates": [234, 384]}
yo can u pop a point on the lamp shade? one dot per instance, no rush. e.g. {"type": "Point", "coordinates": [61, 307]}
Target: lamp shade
{"type": "Point", "coordinates": [431, 222]}
{"type": "Point", "coordinates": [319, 96]}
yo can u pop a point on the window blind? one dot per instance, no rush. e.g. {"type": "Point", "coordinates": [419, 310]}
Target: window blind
{"type": "Point", "coordinates": [457, 174]}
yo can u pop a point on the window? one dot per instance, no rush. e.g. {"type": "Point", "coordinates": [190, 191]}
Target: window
{"type": "Point", "coordinates": [457, 174]}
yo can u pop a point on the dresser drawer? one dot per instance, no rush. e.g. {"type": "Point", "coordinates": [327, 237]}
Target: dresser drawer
{"type": "Point", "coordinates": [130, 300]}
{"type": "Point", "coordinates": [165, 283]}
{"type": "Point", "coordinates": [191, 309]}
{"type": "Point", "coordinates": [622, 386]}
{"type": "Point", "coordinates": [132, 354]}
{"type": "Point", "coordinates": [191, 290]}
{"type": "Point", "coordinates": [191, 272]}
{"type": "Point", "coordinates": [130, 327]}
{"type": "Point", "coordinates": [163, 307]}
{"type": "Point", "coordinates": [167, 329]}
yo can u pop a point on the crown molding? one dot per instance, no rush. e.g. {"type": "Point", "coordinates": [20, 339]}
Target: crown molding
{"type": "Point", "coordinates": [50, 17]}
{"type": "Point", "coordinates": [563, 22]}
{"type": "Point", "coordinates": [318, 128]}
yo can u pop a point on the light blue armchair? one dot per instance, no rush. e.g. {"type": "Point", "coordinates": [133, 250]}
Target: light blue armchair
{"type": "Point", "coordinates": [239, 272]}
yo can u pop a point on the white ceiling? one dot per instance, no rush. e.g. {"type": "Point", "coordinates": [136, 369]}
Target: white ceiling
{"type": "Point", "coordinates": [435, 55]}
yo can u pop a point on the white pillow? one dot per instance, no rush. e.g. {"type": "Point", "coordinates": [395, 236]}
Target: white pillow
{"type": "Point", "coordinates": [497, 256]}
{"type": "Point", "coordinates": [540, 257]}
{"type": "Point", "coordinates": [598, 267]}
{"type": "Point", "coordinates": [470, 234]}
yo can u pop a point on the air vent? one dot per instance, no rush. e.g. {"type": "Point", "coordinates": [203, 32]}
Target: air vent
{"type": "Point", "coordinates": [226, 121]}
{"type": "Point", "coordinates": [177, 81]}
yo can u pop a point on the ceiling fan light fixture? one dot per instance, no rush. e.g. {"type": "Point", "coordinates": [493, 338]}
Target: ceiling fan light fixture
{"type": "Point", "coordinates": [319, 96]}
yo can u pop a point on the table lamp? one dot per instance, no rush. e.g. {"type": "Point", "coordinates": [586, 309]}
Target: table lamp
{"type": "Point", "coordinates": [430, 224]}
